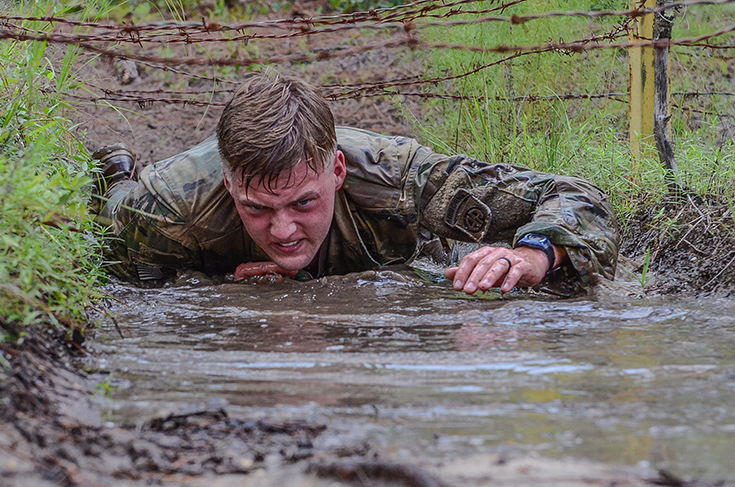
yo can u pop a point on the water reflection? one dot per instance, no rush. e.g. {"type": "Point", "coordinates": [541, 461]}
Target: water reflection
{"type": "Point", "coordinates": [618, 380]}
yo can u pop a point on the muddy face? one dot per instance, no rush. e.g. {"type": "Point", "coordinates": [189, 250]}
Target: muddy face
{"type": "Point", "coordinates": [290, 219]}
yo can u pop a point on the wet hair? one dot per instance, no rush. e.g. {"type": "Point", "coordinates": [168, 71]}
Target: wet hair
{"type": "Point", "coordinates": [273, 122]}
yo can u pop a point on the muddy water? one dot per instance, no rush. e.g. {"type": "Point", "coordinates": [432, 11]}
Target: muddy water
{"type": "Point", "coordinates": [414, 368]}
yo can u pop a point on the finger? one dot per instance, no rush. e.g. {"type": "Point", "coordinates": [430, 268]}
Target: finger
{"type": "Point", "coordinates": [450, 273]}
{"type": "Point", "coordinates": [467, 265]}
{"type": "Point", "coordinates": [512, 278]}
{"type": "Point", "coordinates": [284, 272]}
{"type": "Point", "coordinates": [497, 274]}
{"type": "Point", "coordinates": [488, 273]}
{"type": "Point", "coordinates": [250, 269]}
{"type": "Point", "coordinates": [253, 269]}
{"type": "Point", "coordinates": [240, 272]}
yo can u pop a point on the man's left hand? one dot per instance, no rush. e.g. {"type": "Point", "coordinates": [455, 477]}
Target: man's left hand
{"type": "Point", "coordinates": [489, 267]}
{"type": "Point", "coordinates": [254, 269]}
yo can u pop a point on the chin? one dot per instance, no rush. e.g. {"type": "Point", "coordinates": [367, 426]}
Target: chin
{"type": "Point", "coordinates": [294, 263]}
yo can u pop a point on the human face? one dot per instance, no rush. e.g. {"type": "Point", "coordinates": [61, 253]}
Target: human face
{"type": "Point", "coordinates": [291, 220]}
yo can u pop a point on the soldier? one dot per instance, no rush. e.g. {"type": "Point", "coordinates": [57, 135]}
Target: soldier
{"type": "Point", "coordinates": [280, 190]}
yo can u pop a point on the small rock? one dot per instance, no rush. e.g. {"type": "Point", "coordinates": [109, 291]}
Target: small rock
{"type": "Point", "coordinates": [127, 71]}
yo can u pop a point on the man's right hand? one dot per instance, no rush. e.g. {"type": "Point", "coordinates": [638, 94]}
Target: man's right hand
{"type": "Point", "coordinates": [500, 267]}
{"type": "Point", "coordinates": [253, 269]}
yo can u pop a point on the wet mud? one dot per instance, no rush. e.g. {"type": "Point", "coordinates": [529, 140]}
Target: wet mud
{"type": "Point", "coordinates": [690, 246]}
{"type": "Point", "coordinates": [420, 371]}
{"type": "Point", "coordinates": [393, 378]}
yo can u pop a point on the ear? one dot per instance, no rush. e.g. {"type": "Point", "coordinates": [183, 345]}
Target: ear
{"type": "Point", "coordinates": [228, 184]}
{"type": "Point", "coordinates": [340, 170]}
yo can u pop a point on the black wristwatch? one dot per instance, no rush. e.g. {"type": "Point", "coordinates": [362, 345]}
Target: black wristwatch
{"type": "Point", "coordinates": [536, 241]}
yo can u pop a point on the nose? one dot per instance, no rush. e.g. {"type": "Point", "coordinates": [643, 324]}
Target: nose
{"type": "Point", "coordinates": [282, 226]}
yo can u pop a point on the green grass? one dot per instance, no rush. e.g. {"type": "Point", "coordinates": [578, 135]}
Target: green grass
{"type": "Point", "coordinates": [49, 248]}
{"type": "Point", "coordinates": [588, 138]}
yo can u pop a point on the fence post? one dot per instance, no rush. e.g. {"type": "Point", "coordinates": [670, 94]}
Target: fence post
{"type": "Point", "coordinates": [641, 62]}
{"type": "Point", "coordinates": [662, 27]}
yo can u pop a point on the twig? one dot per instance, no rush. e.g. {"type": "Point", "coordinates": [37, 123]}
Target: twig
{"type": "Point", "coordinates": [117, 326]}
{"type": "Point", "coordinates": [720, 273]}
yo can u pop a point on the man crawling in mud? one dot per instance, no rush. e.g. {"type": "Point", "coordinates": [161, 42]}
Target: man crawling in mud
{"type": "Point", "coordinates": [280, 190]}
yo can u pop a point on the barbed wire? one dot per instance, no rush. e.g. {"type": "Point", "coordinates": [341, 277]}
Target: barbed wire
{"type": "Point", "coordinates": [167, 68]}
{"type": "Point", "coordinates": [363, 88]}
{"type": "Point", "coordinates": [143, 101]}
{"type": "Point", "coordinates": [190, 32]}
{"type": "Point", "coordinates": [160, 91]}
{"type": "Point", "coordinates": [134, 96]}
{"type": "Point", "coordinates": [298, 18]}
{"type": "Point", "coordinates": [409, 41]}
{"type": "Point", "coordinates": [404, 17]}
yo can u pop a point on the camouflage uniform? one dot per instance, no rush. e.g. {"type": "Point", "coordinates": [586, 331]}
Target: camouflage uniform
{"type": "Point", "coordinates": [179, 214]}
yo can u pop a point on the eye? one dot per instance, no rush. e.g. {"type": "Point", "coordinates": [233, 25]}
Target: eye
{"type": "Point", "coordinates": [304, 203]}
{"type": "Point", "coordinates": [255, 207]}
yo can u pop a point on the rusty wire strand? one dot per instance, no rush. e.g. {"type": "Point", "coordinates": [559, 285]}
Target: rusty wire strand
{"type": "Point", "coordinates": [408, 42]}
{"type": "Point", "coordinates": [192, 32]}
{"type": "Point", "coordinates": [166, 68]}
{"type": "Point", "coordinates": [132, 33]}
{"type": "Point", "coordinates": [363, 88]}
{"type": "Point", "coordinates": [307, 26]}
{"type": "Point", "coordinates": [520, 98]}
{"type": "Point", "coordinates": [304, 24]}
{"type": "Point", "coordinates": [161, 91]}
{"type": "Point", "coordinates": [176, 25]}
{"type": "Point", "coordinates": [143, 101]}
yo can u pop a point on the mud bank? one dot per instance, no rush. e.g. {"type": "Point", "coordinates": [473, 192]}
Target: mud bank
{"type": "Point", "coordinates": [690, 244]}
{"type": "Point", "coordinates": [53, 434]}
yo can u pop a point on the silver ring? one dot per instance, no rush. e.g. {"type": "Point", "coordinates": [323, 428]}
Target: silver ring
{"type": "Point", "coordinates": [510, 264]}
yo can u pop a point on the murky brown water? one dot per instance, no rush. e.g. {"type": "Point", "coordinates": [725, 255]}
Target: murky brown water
{"type": "Point", "coordinates": [415, 367]}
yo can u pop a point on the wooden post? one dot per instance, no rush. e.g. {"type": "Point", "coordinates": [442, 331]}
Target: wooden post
{"type": "Point", "coordinates": [662, 27]}
{"type": "Point", "coordinates": [641, 61]}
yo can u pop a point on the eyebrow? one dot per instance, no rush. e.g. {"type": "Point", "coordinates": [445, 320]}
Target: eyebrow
{"type": "Point", "coordinates": [305, 196]}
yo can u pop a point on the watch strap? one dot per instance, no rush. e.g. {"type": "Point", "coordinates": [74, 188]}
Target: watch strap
{"type": "Point", "coordinates": [541, 242]}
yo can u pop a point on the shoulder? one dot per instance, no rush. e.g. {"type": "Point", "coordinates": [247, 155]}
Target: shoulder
{"type": "Point", "coordinates": [188, 180]}
{"type": "Point", "coordinates": [200, 161]}
{"type": "Point", "coordinates": [371, 157]}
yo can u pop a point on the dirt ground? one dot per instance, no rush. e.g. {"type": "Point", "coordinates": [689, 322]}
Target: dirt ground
{"type": "Point", "coordinates": [691, 244]}
{"type": "Point", "coordinates": [51, 432]}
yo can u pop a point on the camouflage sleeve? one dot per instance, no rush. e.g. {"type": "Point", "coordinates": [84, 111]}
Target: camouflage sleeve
{"type": "Point", "coordinates": [138, 248]}
{"type": "Point", "coordinates": [469, 200]}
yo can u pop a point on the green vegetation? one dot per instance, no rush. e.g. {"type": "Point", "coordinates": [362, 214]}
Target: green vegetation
{"type": "Point", "coordinates": [581, 136]}
{"type": "Point", "coordinates": [348, 6]}
{"type": "Point", "coordinates": [49, 248]}
{"type": "Point", "coordinates": [645, 278]}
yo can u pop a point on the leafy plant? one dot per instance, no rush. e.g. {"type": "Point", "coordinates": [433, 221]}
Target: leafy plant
{"type": "Point", "coordinates": [105, 388]}
{"type": "Point", "coordinates": [49, 246]}
{"type": "Point", "coordinates": [645, 277]}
